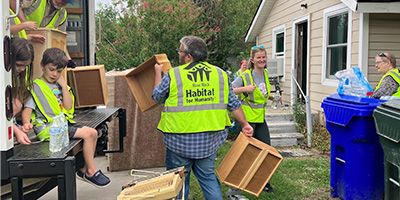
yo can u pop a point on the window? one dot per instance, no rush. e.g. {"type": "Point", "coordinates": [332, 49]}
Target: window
{"type": "Point", "coordinates": [278, 42]}
{"type": "Point", "coordinates": [336, 46]}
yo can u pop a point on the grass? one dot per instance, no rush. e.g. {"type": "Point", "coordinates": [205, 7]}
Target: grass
{"type": "Point", "coordinates": [295, 178]}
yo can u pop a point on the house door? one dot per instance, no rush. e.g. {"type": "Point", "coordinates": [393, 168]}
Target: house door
{"type": "Point", "coordinates": [300, 66]}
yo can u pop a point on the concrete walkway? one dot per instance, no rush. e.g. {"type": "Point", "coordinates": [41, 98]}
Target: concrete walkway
{"type": "Point", "coordinates": [86, 191]}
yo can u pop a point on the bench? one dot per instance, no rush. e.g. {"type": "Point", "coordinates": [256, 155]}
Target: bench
{"type": "Point", "coordinates": [36, 161]}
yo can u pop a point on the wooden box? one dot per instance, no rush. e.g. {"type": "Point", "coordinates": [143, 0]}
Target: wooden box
{"type": "Point", "coordinates": [249, 164]}
{"type": "Point", "coordinates": [89, 85]}
{"type": "Point", "coordinates": [143, 144]}
{"type": "Point", "coordinates": [54, 38]}
{"type": "Point", "coordinates": [141, 80]}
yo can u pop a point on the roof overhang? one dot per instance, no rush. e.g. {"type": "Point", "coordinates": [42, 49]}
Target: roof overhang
{"type": "Point", "coordinates": [373, 6]}
{"type": "Point", "coordinates": [259, 19]}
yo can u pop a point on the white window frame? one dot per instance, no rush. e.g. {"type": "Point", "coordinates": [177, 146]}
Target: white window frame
{"type": "Point", "coordinates": [332, 11]}
{"type": "Point", "coordinates": [276, 31]}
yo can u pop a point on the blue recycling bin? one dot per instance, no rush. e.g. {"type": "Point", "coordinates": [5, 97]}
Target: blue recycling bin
{"type": "Point", "coordinates": [357, 167]}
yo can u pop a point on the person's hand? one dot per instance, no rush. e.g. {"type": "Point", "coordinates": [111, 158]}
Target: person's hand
{"type": "Point", "coordinates": [22, 138]}
{"type": "Point", "coordinates": [158, 68]}
{"type": "Point", "coordinates": [247, 130]}
{"type": "Point", "coordinates": [61, 82]}
{"type": "Point", "coordinates": [26, 127]}
{"type": "Point", "coordinates": [250, 88]}
{"type": "Point", "coordinates": [30, 25]}
{"type": "Point", "coordinates": [36, 38]}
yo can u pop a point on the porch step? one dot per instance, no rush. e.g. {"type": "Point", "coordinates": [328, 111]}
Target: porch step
{"type": "Point", "coordinates": [282, 128]}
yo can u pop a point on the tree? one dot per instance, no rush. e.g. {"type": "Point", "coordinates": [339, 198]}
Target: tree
{"type": "Point", "coordinates": [144, 28]}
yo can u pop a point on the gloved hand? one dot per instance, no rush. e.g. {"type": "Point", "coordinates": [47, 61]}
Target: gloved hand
{"type": "Point", "coordinates": [71, 64]}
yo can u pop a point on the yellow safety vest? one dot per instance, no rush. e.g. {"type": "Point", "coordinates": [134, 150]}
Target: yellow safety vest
{"type": "Point", "coordinates": [394, 73]}
{"type": "Point", "coordinates": [48, 105]}
{"type": "Point", "coordinates": [36, 13]}
{"type": "Point", "coordinates": [198, 99]}
{"type": "Point", "coordinates": [254, 104]}
{"type": "Point", "coordinates": [22, 33]}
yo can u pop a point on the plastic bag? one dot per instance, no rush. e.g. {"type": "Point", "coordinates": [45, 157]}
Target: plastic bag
{"type": "Point", "coordinates": [352, 82]}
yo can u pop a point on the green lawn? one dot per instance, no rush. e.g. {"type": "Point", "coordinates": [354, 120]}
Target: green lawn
{"type": "Point", "coordinates": [295, 178]}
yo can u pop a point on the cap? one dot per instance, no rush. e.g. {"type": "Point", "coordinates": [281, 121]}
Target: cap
{"type": "Point", "coordinates": [69, 1]}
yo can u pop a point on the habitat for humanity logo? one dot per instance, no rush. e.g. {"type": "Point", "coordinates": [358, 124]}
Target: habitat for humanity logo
{"type": "Point", "coordinates": [199, 71]}
{"type": "Point", "coordinates": [199, 74]}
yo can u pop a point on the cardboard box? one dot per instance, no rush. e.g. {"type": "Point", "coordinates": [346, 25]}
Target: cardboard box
{"type": "Point", "coordinates": [54, 39]}
{"type": "Point", "coordinates": [89, 85]}
{"type": "Point", "coordinates": [249, 164]}
{"type": "Point", "coordinates": [141, 80]}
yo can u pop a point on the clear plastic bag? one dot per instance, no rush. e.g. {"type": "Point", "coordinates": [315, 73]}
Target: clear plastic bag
{"type": "Point", "coordinates": [352, 82]}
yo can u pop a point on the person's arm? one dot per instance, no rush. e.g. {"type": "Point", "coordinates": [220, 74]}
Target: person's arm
{"type": "Point", "coordinates": [22, 138]}
{"type": "Point", "coordinates": [28, 25]}
{"type": "Point", "coordinates": [67, 98]}
{"type": "Point", "coordinates": [36, 38]}
{"type": "Point", "coordinates": [387, 88]}
{"type": "Point", "coordinates": [238, 87]}
{"type": "Point", "coordinates": [26, 119]}
{"type": "Point", "coordinates": [248, 89]}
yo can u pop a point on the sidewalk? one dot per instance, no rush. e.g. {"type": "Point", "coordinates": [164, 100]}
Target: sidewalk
{"type": "Point", "coordinates": [86, 191]}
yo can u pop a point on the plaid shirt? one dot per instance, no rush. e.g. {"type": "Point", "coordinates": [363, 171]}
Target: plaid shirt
{"type": "Point", "coordinates": [193, 145]}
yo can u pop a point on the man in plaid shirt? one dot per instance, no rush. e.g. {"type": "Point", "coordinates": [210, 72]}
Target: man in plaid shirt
{"type": "Point", "coordinates": [196, 97]}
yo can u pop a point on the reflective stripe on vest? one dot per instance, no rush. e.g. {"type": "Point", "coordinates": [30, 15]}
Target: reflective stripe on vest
{"type": "Point", "coordinates": [22, 33]}
{"type": "Point", "coordinates": [197, 100]}
{"type": "Point", "coordinates": [48, 105]}
{"type": "Point", "coordinates": [394, 73]}
{"type": "Point", "coordinates": [37, 11]}
{"type": "Point", "coordinates": [254, 104]}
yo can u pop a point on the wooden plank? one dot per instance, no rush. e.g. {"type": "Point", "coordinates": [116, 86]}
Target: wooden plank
{"type": "Point", "coordinates": [74, 10]}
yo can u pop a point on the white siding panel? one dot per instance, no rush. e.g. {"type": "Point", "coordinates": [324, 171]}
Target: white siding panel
{"type": "Point", "coordinates": [384, 37]}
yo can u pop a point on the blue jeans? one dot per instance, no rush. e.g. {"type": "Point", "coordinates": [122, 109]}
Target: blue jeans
{"type": "Point", "coordinates": [203, 169]}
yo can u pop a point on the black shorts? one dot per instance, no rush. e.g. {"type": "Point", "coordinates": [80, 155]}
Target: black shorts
{"type": "Point", "coordinates": [72, 128]}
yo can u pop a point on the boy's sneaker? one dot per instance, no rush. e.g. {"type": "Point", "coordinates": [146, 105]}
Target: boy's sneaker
{"type": "Point", "coordinates": [98, 179]}
{"type": "Point", "coordinates": [79, 175]}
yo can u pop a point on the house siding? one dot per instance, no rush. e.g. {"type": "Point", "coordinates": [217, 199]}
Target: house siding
{"type": "Point", "coordinates": [284, 12]}
{"type": "Point", "coordinates": [383, 37]}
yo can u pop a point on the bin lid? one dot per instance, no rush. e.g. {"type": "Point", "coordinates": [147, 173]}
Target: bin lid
{"type": "Point", "coordinates": [387, 118]}
{"type": "Point", "coordinates": [393, 104]}
{"type": "Point", "coordinates": [340, 109]}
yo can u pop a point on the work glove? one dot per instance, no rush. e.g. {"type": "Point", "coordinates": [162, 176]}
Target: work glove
{"type": "Point", "coordinates": [71, 64]}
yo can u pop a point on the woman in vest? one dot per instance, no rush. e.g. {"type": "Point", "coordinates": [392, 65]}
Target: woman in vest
{"type": "Point", "coordinates": [243, 67]}
{"type": "Point", "coordinates": [254, 87]}
{"type": "Point", "coordinates": [21, 62]}
{"type": "Point", "coordinates": [390, 82]}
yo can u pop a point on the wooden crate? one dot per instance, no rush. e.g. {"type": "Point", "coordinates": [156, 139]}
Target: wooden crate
{"type": "Point", "coordinates": [89, 85]}
{"type": "Point", "coordinates": [54, 38]}
{"type": "Point", "coordinates": [141, 80]}
{"type": "Point", "coordinates": [249, 164]}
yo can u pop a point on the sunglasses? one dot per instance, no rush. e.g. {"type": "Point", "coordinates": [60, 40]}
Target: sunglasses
{"type": "Point", "coordinates": [382, 55]}
{"type": "Point", "coordinates": [256, 47]}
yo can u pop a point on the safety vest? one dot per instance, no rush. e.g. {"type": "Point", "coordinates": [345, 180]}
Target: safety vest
{"type": "Point", "coordinates": [197, 101]}
{"type": "Point", "coordinates": [254, 104]}
{"type": "Point", "coordinates": [238, 73]}
{"type": "Point", "coordinates": [394, 73]}
{"type": "Point", "coordinates": [48, 106]}
{"type": "Point", "coordinates": [22, 33]}
{"type": "Point", "coordinates": [36, 13]}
